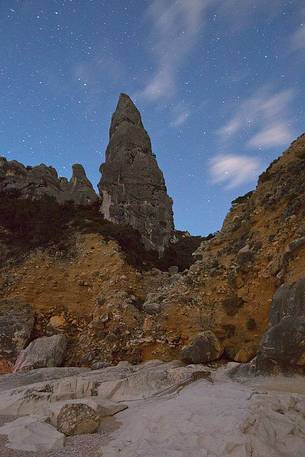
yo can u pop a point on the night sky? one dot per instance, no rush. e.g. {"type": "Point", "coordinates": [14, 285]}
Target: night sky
{"type": "Point", "coordinates": [220, 85]}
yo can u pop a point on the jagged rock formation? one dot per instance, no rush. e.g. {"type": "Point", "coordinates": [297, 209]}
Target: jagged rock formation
{"type": "Point", "coordinates": [36, 182]}
{"type": "Point", "coordinates": [132, 185]}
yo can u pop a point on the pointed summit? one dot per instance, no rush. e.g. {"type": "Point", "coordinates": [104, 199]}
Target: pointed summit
{"type": "Point", "coordinates": [126, 111]}
{"type": "Point", "coordinates": [132, 185]}
{"type": "Point", "coordinates": [80, 187]}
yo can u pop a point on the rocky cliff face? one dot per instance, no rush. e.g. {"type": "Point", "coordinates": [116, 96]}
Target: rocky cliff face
{"type": "Point", "coordinates": [36, 182]}
{"type": "Point", "coordinates": [260, 246]}
{"type": "Point", "coordinates": [132, 185]}
{"type": "Point", "coordinates": [91, 279]}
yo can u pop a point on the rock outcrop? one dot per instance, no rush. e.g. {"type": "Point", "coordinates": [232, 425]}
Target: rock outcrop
{"type": "Point", "coordinates": [41, 180]}
{"type": "Point", "coordinates": [260, 246]}
{"type": "Point", "coordinates": [132, 185]}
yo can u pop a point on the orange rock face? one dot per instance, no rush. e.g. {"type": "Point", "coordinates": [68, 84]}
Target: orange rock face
{"type": "Point", "coordinates": [5, 366]}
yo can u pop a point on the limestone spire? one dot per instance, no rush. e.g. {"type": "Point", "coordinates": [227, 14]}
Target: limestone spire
{"type": "Point", "coordinates": [132, 185]}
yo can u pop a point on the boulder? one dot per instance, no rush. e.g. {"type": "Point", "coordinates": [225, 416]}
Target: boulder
{"type": "Point", "coordinates": [57, 323]}
{"type": "Point", "coordinates": [132, 185]}
{"type": "Point", "coordinates": [204, 348]}
{"type": "Point", "coordinates": [245, 354]}
{"type": "Point", "coordinates": [152, 304]}
{"type": "Point", "coordinates": [103, 408]}
{"type": "Point", "coordinates": [32, 434]}
{"type": "Point", "coordinates": [48, 351]}
{"type": "Point", "coordinates": [77, 419]}
{"type": "Point", "coordinates": [282, 348]}
{"type": "Point", "coordinates": [16, 325]}
{"type": "Point", "coordinates": [152, 308]}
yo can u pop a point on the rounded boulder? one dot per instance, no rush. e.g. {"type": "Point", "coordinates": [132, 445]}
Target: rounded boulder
{"type": "Point", "coordinates": [77, 419]}
{"type": "Point", "coordinates": [204, 348]}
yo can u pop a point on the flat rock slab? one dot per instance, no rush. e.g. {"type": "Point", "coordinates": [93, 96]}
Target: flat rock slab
{"type": "Point", "coordinates": [120, 383]}
{"type": "Point", "coordinates": [14, 380]}
{"type": "Point", "coordinates": [32, 433]}
{"type": "Point", "coordinates": [220, 419]}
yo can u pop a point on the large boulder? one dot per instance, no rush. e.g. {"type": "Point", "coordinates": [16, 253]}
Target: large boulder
{"type": "Point", "coordinates": [103, 408]}
{"type": "Point", "coordinates": [132, 185]}
{"type": "Point", "coordinates": [48, 351]}
{"type": "Point", "coordinates": [77, 419]}
{"type": "Point", "coordinates": [204, 348]}
{"type": "Point", "coordinates": [282, 348]}
{"type": "Point", "coordinates": [16, 325]}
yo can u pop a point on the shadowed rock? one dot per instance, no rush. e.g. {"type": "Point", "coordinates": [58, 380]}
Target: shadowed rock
{"type": "Point", "coordinates": [81, 189]}
{"type": "Point", "coordinates": [204, 348]}
{"type": "Point", "coordinates": [16, 325]}
{"type": "Point", "coordinates": [132, 184]}
{"type": "Point", "coordinates": [282, 347]}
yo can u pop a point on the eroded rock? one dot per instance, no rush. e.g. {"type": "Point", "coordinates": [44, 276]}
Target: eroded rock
{"type": "Point", "coordinates": [41, 180]}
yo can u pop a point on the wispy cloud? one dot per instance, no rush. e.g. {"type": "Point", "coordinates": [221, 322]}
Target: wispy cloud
{"type": "Point", "coordinates": [180, 114]}
{"type": "Point", "coordinates": [233, 170]}
{"type": "Point", "coordinates": [175, 28]}
{"type": "Point", "coordinates": [263, 117]}
{"type": "Point", "coordinates": [298, 38]}
{"type": "Point", "coordinates": [272, 136]}
{"type": "Point", "coordinates": [240, 12]}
